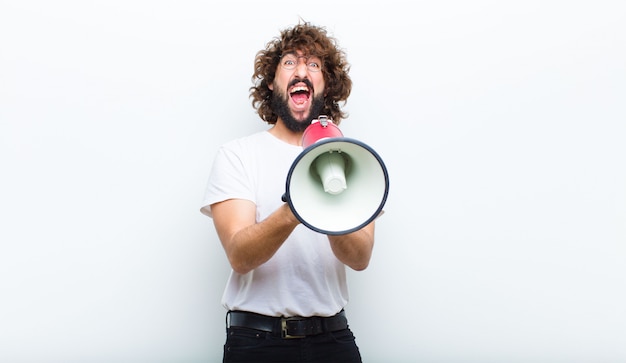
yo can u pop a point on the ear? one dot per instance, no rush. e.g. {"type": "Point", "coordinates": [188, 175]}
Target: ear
{"type": "Point", "coordinates": [271, 86]}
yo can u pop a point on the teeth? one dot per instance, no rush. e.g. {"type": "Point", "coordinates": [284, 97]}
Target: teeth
{"type": "Point", "coordinates": [300, 88]}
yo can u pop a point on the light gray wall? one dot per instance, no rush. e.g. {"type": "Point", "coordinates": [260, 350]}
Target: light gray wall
{"type": "Point", "coordinates": [502, 125]}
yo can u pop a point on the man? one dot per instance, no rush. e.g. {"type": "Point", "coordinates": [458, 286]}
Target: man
{"type": "Point", "coordinates": [287, 289]}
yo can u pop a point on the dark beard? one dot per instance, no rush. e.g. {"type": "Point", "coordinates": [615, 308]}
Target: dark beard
{"type": "Point", "coordinates": [281, 108]}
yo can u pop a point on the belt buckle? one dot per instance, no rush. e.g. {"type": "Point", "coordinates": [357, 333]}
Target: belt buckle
{"type": "Point", "coordinates": [283, 328]}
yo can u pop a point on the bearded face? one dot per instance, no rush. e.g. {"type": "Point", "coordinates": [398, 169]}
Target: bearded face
{"type": "Point", "coordinates": [299, 122]}
{"type": "Point", "coordinates": [298, 90]}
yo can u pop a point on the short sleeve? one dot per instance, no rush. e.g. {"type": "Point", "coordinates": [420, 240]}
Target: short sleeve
{"type": "Point", "coordinates": [229, 179]}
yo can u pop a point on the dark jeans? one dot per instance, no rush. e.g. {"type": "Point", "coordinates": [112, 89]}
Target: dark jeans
{"type": "Point", "coordinates": [249, 345]}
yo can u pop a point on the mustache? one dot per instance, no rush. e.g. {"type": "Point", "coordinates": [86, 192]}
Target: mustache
{"type": "Point", "coordinates": [304, 80]}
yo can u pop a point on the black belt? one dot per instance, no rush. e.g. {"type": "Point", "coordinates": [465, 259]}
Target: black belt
{"type": "Point", "coordinates": [293, 327]}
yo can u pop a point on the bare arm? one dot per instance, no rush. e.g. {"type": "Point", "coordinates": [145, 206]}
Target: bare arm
{"type": "Point", "coordinates": [354, 249]}
{"type": "Point", "coordinates": [249, 244]}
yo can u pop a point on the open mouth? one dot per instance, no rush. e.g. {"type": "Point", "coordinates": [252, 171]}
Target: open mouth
{"type": "Point", "coordinates": [300, 94]}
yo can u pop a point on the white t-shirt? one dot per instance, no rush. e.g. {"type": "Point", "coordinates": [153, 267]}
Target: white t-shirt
{"type": "Point", "coordinates": [303, 278]}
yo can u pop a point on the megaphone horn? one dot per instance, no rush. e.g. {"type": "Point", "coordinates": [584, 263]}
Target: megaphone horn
{"type": "Point", "coordinates": [336, 185]}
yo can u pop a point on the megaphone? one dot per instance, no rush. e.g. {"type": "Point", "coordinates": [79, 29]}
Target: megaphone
{"type": "Point", "coordinates": [336, 185]}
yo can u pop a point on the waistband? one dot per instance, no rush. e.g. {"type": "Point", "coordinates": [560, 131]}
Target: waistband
{"type": "Point", "coordinates": [292, 327]}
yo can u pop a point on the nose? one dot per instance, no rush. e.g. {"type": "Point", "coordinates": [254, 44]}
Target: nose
{"type": "Point", "coordinates": [301, 68]}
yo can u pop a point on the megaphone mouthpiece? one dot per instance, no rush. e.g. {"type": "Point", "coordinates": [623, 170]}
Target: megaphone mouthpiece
{"type": "Point", "coordinates": [330, 167]}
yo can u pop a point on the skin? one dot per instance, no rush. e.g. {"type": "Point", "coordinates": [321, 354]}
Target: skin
{"type": "Point", "coordinates": [249, 244]}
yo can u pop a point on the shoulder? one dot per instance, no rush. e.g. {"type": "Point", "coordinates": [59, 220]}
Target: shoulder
{"type": "Point", "coordinates": [246, 142]}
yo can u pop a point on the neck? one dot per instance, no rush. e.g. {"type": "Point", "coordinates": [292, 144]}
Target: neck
{"type": "Point", "coordinates": [281, 132]}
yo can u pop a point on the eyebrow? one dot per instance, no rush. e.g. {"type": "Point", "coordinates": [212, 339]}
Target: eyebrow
{"type": "Point", "coordinates": [300, 56]}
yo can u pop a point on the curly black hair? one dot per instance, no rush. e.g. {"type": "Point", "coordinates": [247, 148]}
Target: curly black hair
{"type": "Point", "coordinates": [310, 40]}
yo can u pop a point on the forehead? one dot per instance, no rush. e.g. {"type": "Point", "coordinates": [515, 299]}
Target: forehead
{"type": "Point", "coordinates": [299, 54]}
{"type": "Point", "coordinates": [300, 51]}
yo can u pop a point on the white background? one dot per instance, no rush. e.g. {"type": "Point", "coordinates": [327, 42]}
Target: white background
{"type": "Point", "coordinates": [502, 124]}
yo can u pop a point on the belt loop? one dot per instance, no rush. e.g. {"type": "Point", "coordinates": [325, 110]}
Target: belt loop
{"type": "Point", "coordinates": [227, 320]}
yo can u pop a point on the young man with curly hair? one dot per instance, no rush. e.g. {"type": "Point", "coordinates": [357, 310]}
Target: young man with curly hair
{"type": "Point", "coordinates": [287, 289]}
